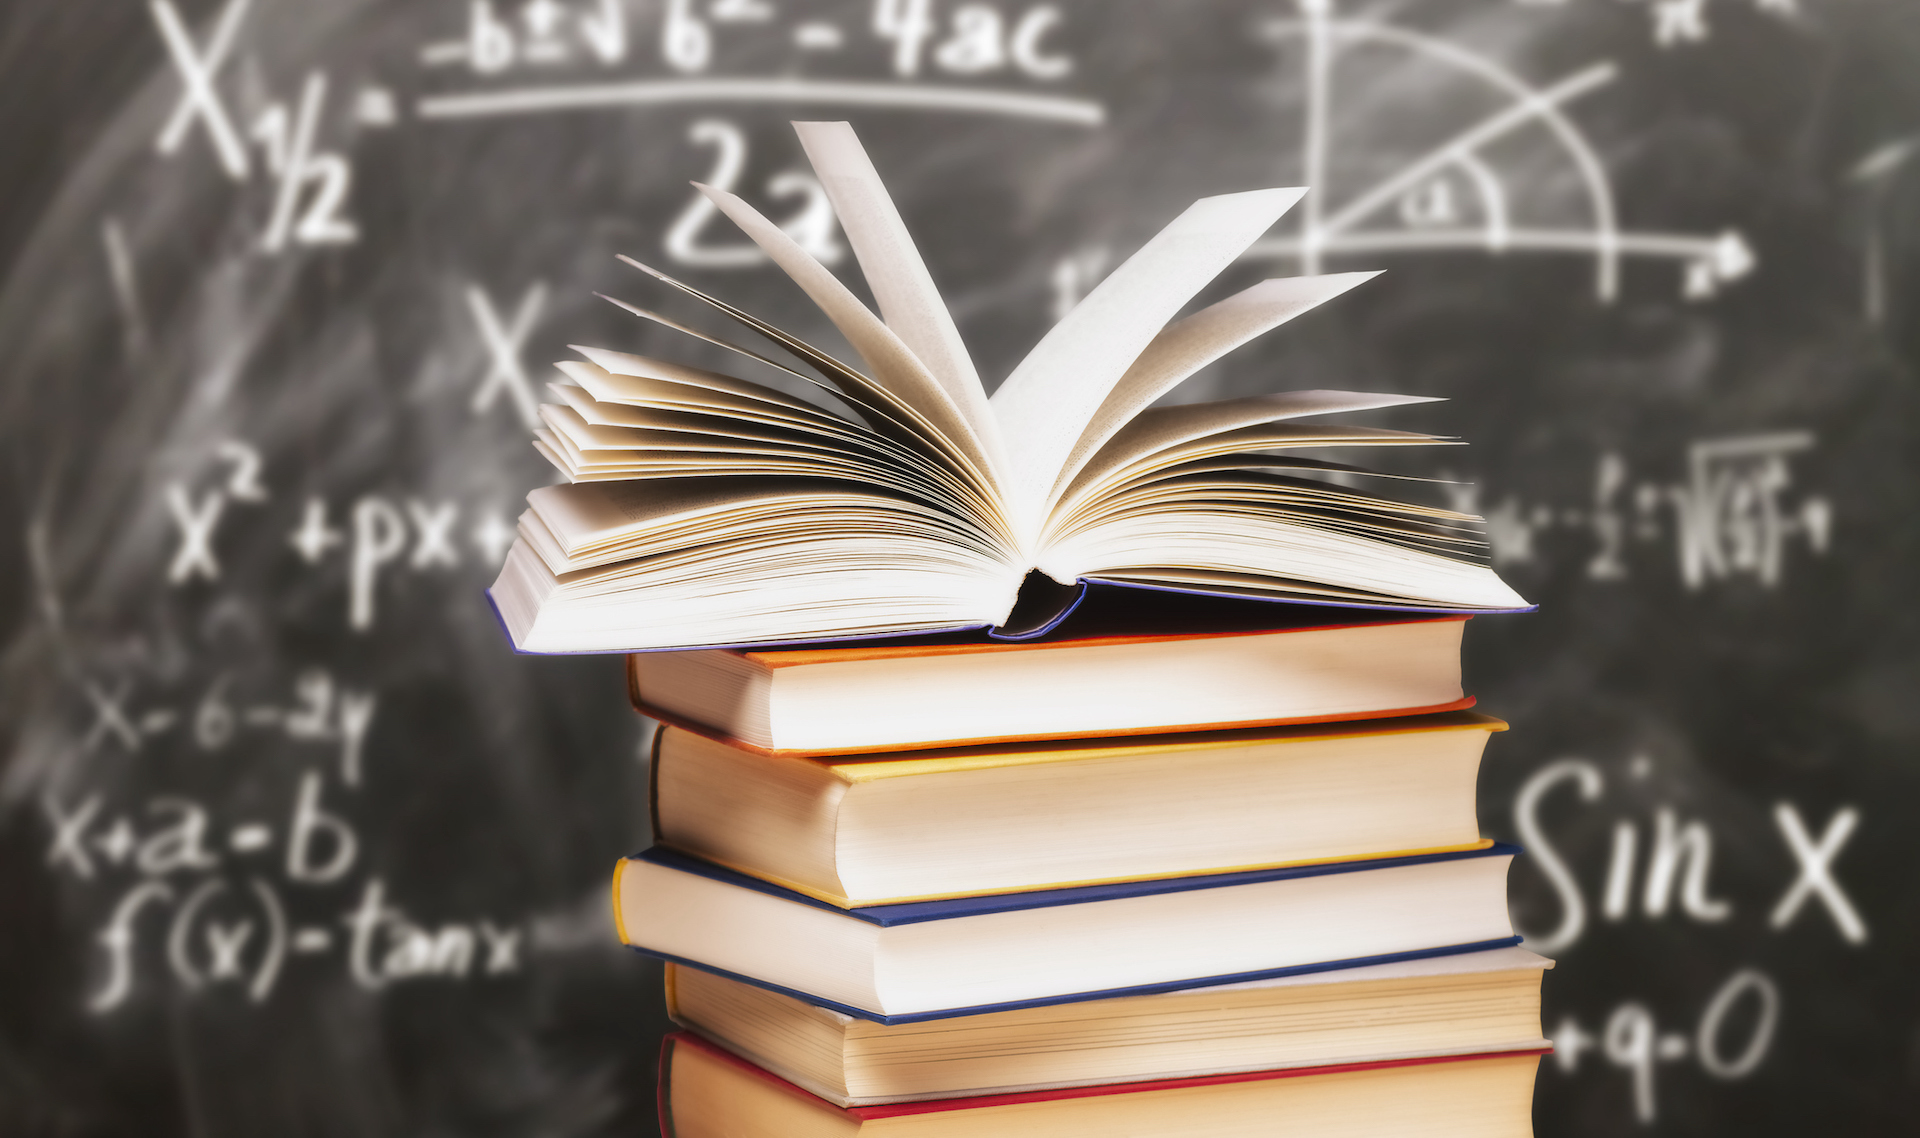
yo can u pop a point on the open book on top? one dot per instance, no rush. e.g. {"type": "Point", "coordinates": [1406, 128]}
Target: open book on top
{"type": "Point", "coordinates": [702, 509]}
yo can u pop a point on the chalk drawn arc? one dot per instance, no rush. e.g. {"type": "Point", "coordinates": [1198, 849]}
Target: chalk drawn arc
{"type": "Point", "coordinates": [1337, 230]}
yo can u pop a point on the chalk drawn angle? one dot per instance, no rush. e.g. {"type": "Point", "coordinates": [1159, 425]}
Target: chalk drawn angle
{"type": "Point", "coordinates": [1452, 196]}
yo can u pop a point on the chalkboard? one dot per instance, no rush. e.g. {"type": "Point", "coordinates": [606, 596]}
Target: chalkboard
{"type": "Point", "coordinates": [290, 843]}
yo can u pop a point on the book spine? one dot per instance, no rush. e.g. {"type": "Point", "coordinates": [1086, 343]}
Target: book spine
{"type": "Point", "coordinates": [653, 780]}
{"type": "Point", "coordinates": [663, 1086]}
{"type": "Point", "coordinates": [619, 922]}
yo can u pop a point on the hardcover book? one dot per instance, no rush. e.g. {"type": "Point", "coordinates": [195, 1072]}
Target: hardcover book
{"type": "Point", "coordinates": [928, 960]}
{"type": "Point", "coordinates": [875, 830]}
{"type": "Point", "coordinates": [707, 1093]}
{"type": "Point", "coordinates": [885, 696]}
{"type": "Point", "coordinates": [706, 509]}
{"type": "Point", "coordinates": [1467, 1003]}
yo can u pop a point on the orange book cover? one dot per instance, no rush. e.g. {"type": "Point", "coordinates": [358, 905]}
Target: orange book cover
{"type": "Point", "coordinates": [775, 659]}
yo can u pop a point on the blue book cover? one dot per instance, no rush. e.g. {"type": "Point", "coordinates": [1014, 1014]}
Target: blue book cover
{"type": "Point", "coordinates": [917, 912]}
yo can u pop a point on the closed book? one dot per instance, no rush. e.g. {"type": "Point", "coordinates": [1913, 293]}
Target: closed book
{"type": "Point", "coordinates": [1316, 666]}
{"type": "Point", "coordinates": [707, 1093]}
{"type": "Point", "coordinates": [873, 830]}
{"type": "Point", "coordinates": [925, 960]}
{"type": "Point", "coordinates": [1441, 1005]}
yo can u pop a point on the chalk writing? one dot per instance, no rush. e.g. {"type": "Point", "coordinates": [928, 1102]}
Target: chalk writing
{"type": "Point", "coordinates": [1728, 519]}
{"type": "Point", "coordinates": [1731, 521]}
{"type": "Point", "coordinates": [297, 168]}
{"type": "Point", "coordinates": [1815, 880]}
{"type": "Point", "coordinates": [217, 932]}
{"type": "Point", "coordinates": [387, 946]}
{"type": "Point", "coordinates": [200, 100]}
{"type": "Point", "coordinates": [209, 895]}
{"type": "Point", "coordinates": [977, 40]}
{"type": "Point", "coordinates": [1677, 864]}
{"type": "Point", "coordinates": [905, 42]}
{"type": "Point", "coordinates": [506, 371]}
{"type": "Point", "coordinates": [314, 537]}
{"type": "Point", "coordinates": [321, 711]}
{"type": "Point", "coordinates": [1675, 23]}
{"type": "Point", "coordinates": [1454, 195]}
{"type": "Point", "coordinates": [1875, 174]}
{"type": "Point", "coordinates": [1633, 1043]}
{"type": "Point", "coordinates": [375, 107]}
{"type": "Point", "coordinates": [310, 185]}
{"type": "Point", "coordinates": [126, 286]}
{"type": "Point", "coordinates": [812, 225]}
{"type": "Point", "coordinates": [968, 39]}
{"type": "Point", "coordinates": [375, 536]}
{"type": "Point", "coordinates": [546, 34]}
{"type": "Point", "coordinates": [196, 519]}
{"type": "Point", "coordinates": [1678, 22]}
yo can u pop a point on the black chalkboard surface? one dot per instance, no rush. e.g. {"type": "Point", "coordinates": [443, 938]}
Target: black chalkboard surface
{"type": "Point", "coordinates": [290, 843]}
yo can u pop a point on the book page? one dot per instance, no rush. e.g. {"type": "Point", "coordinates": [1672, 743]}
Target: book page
{"type": "Point", "coordinates": [1159, 431]}
{"type": "Point", "coordinates": [898, 459]}
{"type": "Point", "coordinates": [894, 365]}
{"type": "Point", "coordinates": [892, 416]}
{"type": "Point", "coordinates": [615, 395]}
{"type": "Point", "coordinates": [1256, 587]}
{"type": "Point", "coordinates": [587, 515]}
{"type": "Point", "coordinates": [1191, 343]}
{"type": "Point", "coordinates": [598, 444]}
{"type": "Point", "coordinates": [847, 386]}
{"type": "Point", "coordinates": [1277, 553]}
{"type": "Point", "coordinates": [621, 377]}
{"type": "Point", "coordinates": [1248, 443]}
{"type": "Point", "coordinates": [673, 430]}
{"type": "Point", "coordinates": [1279, 499]}
{"type": "Point", "coordinates": [909, 303]}
{"type": "Point", "coordinates": [1045, 405]}
{"type": "Point", "coordinates": [654, 418]}
{"type": "Point", "coordinates": [585, 452]}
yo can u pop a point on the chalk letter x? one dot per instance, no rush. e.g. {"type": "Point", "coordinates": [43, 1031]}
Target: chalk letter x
{"type": "Point", "coordinates": [1816, 877]}
{"type": "Point", "coordinates": [199, 100]}
{"type": "Point", "coordinates": [195, 557]}
{"type": "Point", "coordinates": [110, 717]}
{"type": "Point", "coordinates": [69, 834]}
{"type": "Point", "coordinates": [503, 348]}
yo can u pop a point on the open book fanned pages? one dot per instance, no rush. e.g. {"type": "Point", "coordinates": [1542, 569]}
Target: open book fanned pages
{"type": "Point", "coordinates": [702, 509]}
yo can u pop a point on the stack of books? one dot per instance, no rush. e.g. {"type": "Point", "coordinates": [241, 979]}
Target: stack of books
{"type": "Point", "coordinates": [877, 919]}
{"type": "Point", "coordinates": [994, 794]}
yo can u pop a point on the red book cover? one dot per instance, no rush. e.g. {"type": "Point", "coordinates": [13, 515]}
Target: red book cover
{"type": "Point", "coordinates": [688, 1040]}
